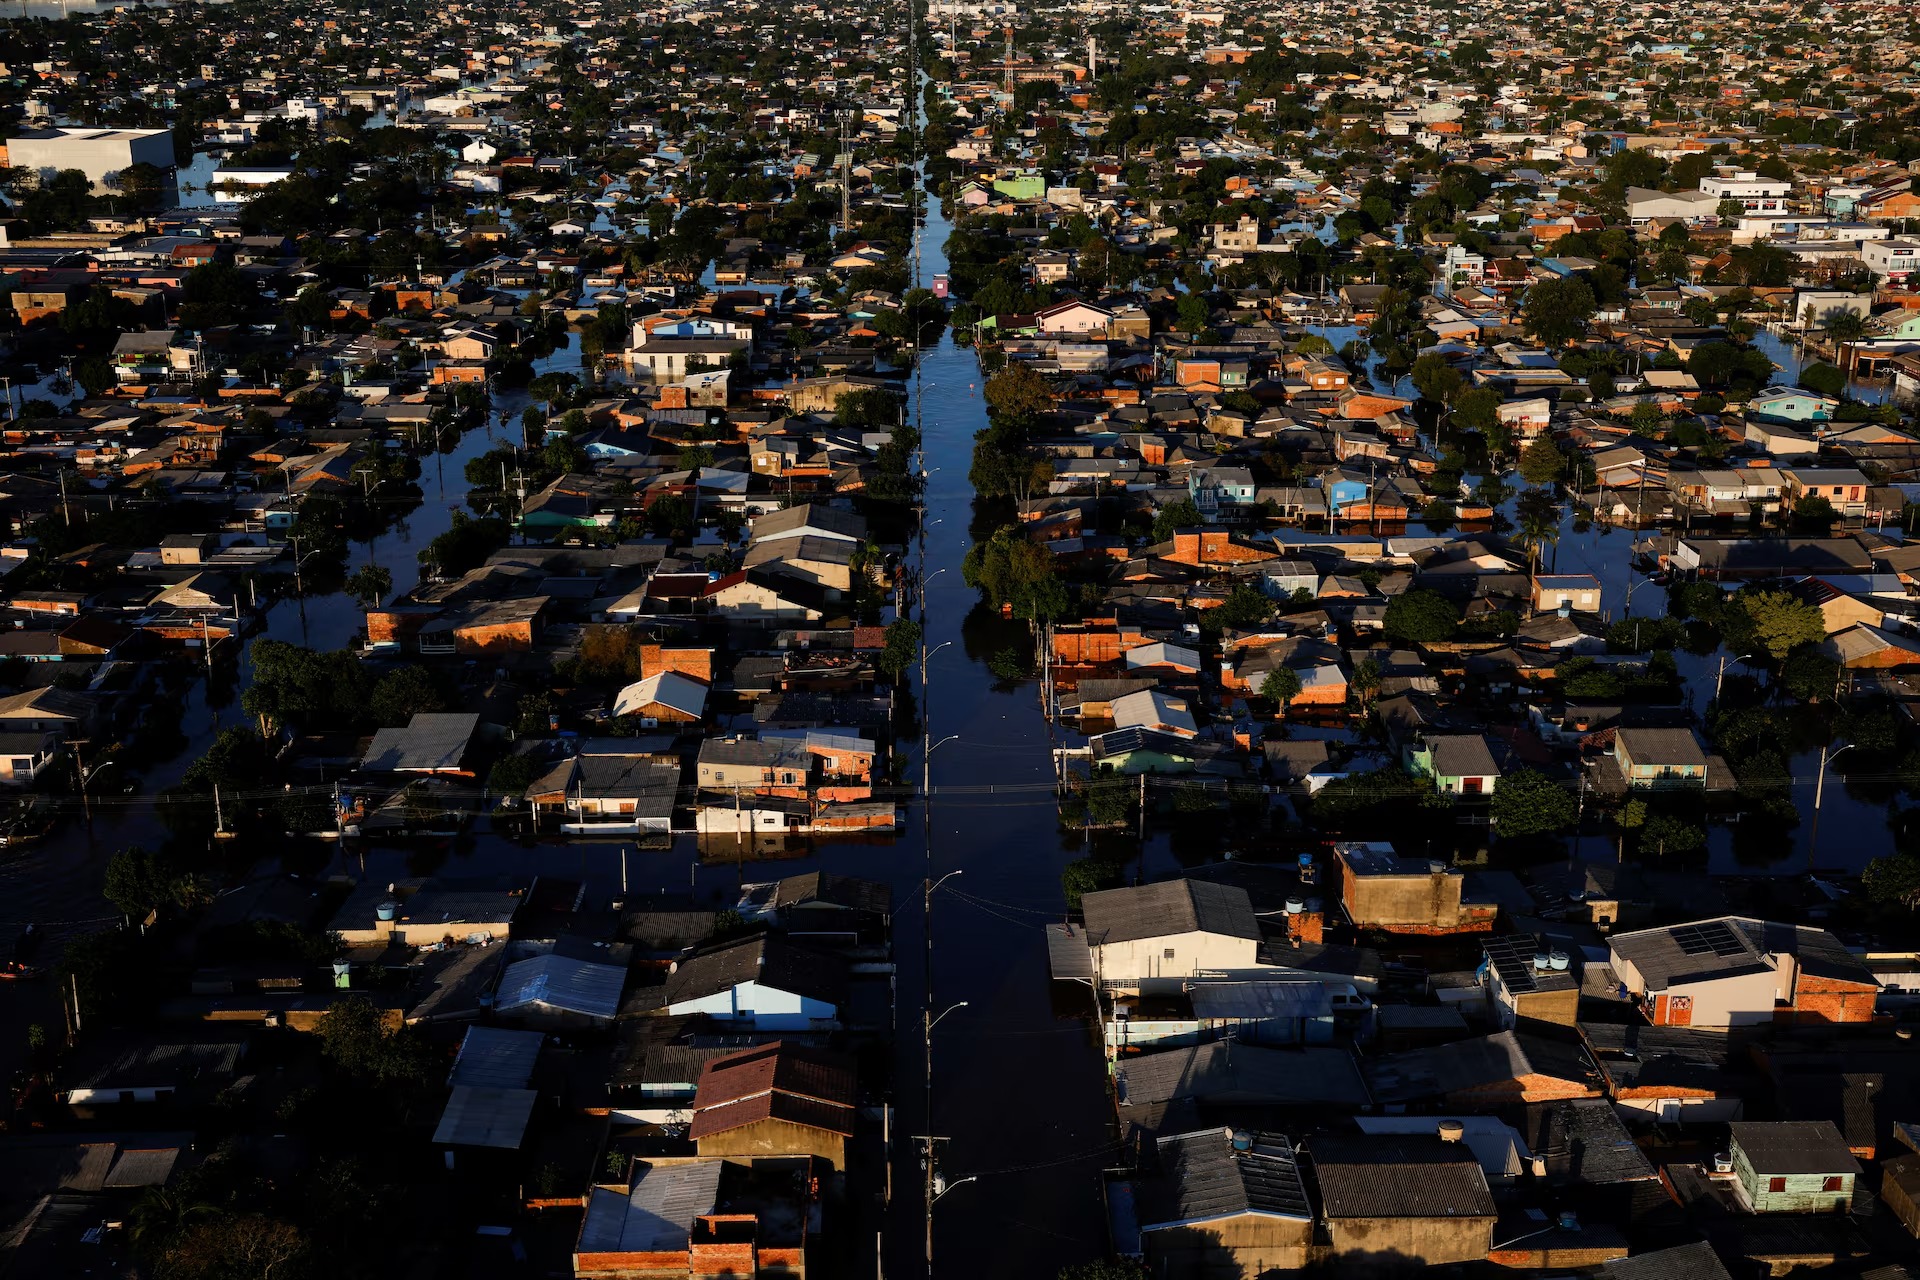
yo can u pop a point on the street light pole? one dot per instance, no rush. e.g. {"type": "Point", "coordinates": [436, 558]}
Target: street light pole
{"type": "Point", "coordinates": [1722, 673]}
{"type": "Point", "coordinates": [928, 1020]}
{"type": "Point", "coordinates": [1819, 793]}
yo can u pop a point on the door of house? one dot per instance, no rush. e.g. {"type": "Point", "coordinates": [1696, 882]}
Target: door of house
{"type": "Point", "coordinates": [1679, 1011]}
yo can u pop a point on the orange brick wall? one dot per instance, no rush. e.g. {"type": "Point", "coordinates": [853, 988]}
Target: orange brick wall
{"type": "Point", "coordinates": [511, 637]}
{"type": "Point", "coordinates": [1822, 1000]}
{"type": "Point", "coordinates": [695, 663]}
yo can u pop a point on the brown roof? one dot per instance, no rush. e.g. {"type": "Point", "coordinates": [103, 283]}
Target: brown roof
{"type": "Point", "coordinates": [776, 1081]}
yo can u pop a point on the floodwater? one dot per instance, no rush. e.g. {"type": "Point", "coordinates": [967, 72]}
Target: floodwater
{"type": "Point", "coordinates": [1018, 1086]}
{"type": "Point", "coordinates": [1018, 1094]}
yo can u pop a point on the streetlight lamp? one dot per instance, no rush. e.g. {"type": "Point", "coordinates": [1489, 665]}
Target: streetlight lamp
{"type": "Point", "coordinates": [928, 1021]}
{"type": "Point", "coordinates": [943, 1187]}
{"type": "Point", "coordinates": [1722, 674]}
{"type": "Point", "coordinates": [1819, 792]}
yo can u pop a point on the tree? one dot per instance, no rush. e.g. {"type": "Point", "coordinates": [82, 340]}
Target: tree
{"type": "Point", "coordinates": [1823, 379]}
{"type": "Point", "coordinates": [249, 1246]}
{"type": "Point", "coordinates": [1420, 616]}
{"type": "Point", "coordinates": [1893, 880]}
{"type": "Point", "coordinates": [1542, 462]}
{"type": "Point", "coordinates": [1813, 513]}
{"type": "Point", "coordinates": [356, 1037]}
{"type": "Point", "coordinates": [404, 693]}
{"type": "Point", "coordinates": [1809, 675]}
{"type": "Point", "coordinates": [1730, 210]}
{"type": "Point", "coordinates": [1364, 685]}
{"type": "Point", "coordinates": [1528, 803]}
{"type": "Point", "coordinates": [1782, 622]}
{"type": "Point", "coordinates": [1009, 571]}
{"type": "Point", "coordinates": [1435, 379]}
{"type": "Point", "coordinates": [213, 294]}
{"type": "Point", "coordinates": [297, 686]}
{"type": "Point", "coordinates": [1175, 516]}
{"type": "Point", "coordinates": [468, 543]}
{"type": "Point", "coordinates": [1665, 836]}
{"type": "Point", "coordinates": [1193, 315]}
{"type": "Point", "coordinates": [369, 585]}
{"type": "Point", "coordinates": [1281, 686]}
{"type": "Point", "coordinates": [138, 882]}
{"type": "Point", "coordinates": [901, 649]}
{"type": "Point", "coordinates": [1843, 324]}
{"type": "Point", "coordinates": [1104, 1269]}
{"type": "Point", "coordinates": [1017, 395]}
{"type": "Point", "coordinates": [1477, 409]}
{"type": "Point", "coordinates": [1557, 311]}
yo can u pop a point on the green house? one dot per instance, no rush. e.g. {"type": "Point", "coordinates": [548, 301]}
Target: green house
{"type": "Point", "coordinates": [1021, 186]}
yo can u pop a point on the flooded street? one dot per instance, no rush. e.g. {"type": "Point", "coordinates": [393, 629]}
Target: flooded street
{"type": "Point", "coordinates": [1018, 1084]}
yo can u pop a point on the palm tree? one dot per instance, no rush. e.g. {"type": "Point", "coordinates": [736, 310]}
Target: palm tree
{"type": "Point", "coordinates": [163, 1212]}
{"type": "Point", "coordinates": [1539, 524]}
{"type": "Point", "coordinates": [1843, 326]}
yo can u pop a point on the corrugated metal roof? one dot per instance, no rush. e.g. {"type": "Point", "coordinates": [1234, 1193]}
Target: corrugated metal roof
{"type": "Point", "coordinates": [657, 1213]}
{"type": "Point", "coordinates": [496, 1057]}
{"type": "Point", "coordinates": [479, 1117]}
{"type": "Point", "coordinates": [557, 982]}
{"type": "Point", "coordinates": [1208, 1178]}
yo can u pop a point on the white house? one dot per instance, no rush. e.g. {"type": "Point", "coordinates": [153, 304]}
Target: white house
{"type": "Point", "coordinates": [1158, 937]}
{"type": "Point", "coordinates": [762, 982]}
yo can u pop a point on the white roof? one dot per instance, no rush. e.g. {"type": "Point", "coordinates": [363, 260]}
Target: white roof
{"type": "Point", "coordinates": [667, 688]}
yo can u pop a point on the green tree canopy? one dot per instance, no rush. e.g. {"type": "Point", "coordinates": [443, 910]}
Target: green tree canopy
{"type": "Point", "coordinates": [1421, 616]}
{"type": "Point", "coordinates": [1557, 311]}
{"type": "Point", "coordinates": [1527, 803]}
{"type": "Point", "coordinates": [1281, 686]}
{"type": "Point", "coordinates": [1781, 622]}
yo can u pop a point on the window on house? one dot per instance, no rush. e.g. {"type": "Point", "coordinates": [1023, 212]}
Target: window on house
{"type": "Point", "coordinates": [1831, 1184]}
{"type": "Point", "coordinates": [1167, 954]}
{"type": "Point", "coordinates": [1776, 1185]}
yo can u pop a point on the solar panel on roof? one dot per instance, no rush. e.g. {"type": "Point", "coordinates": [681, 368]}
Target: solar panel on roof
{"type": "Point", "coordinates": [1711, 938]}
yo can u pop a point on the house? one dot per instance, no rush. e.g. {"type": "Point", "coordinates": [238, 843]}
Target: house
{"type": "Point", "coordinates": [1791, 405]}
{"type": "Point", "coordinates": [558, 992]}
{"type": "Point", "coordinates": [1845, 488]}
{"type": "Point", "coordinates": [1530, 979]}
{"type": "Point", "coordinates": [809, 520]}
{"type": "Point", "coordinates": [50, 709]}
{"type": "Point", "coordinates": [1579, 592]}
{"type": "Point", "coordinates": [776, 1099]}
{"type": "Point", "coordinates": [698, 1216]}
{"type": "Point", "coordinates": [24, 755]}
{"type": "Point", "coordinates": [119, 1070]}
{"type": "Point", "coordinates": [379, 915]}
{"type": "Point", "coordinates": [1459, 763]}
{"type": "Point", "coordinates": [433, 742]}
{"type": "Point", "coordinates": [1421, 1199]}
{"type": "Point", "coordinates": [1660, 757]}
{"type": "Point", "coordinates": [823, 908]}
{"type": "Point", "coordinates": [1792, 1166]}
{"type": "Point", "coordinates": [1072, 317]}
{"type": "Point", "coordinates": [1156, 937]}
{"type": "Point", "coordinates": [1224, 1202]}
{"type": "Point", "coordinates": [1485, 1072]}
{"type": "Point", "coordinates": [665, 697]}
{"type": "Point", "coordinates": [490, 1103]}
{"type": "Point", "coordinates": [1379, 889]}
{"type": "Point", "coordinates": [1735, 971]}
{"type": "Point", "coordinates": [1671, 1074]}
{"type": "Point", "coordinates": [612, 787]}
{"type": "Point", "coordinates": [762, 982]}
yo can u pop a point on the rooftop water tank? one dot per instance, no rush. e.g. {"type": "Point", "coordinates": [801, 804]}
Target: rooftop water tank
{"type": "Point", "coordinates": [386, 910]}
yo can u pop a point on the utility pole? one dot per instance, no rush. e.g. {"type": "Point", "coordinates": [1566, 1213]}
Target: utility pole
{"type": "Point", "coordinates": [846, 173]}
